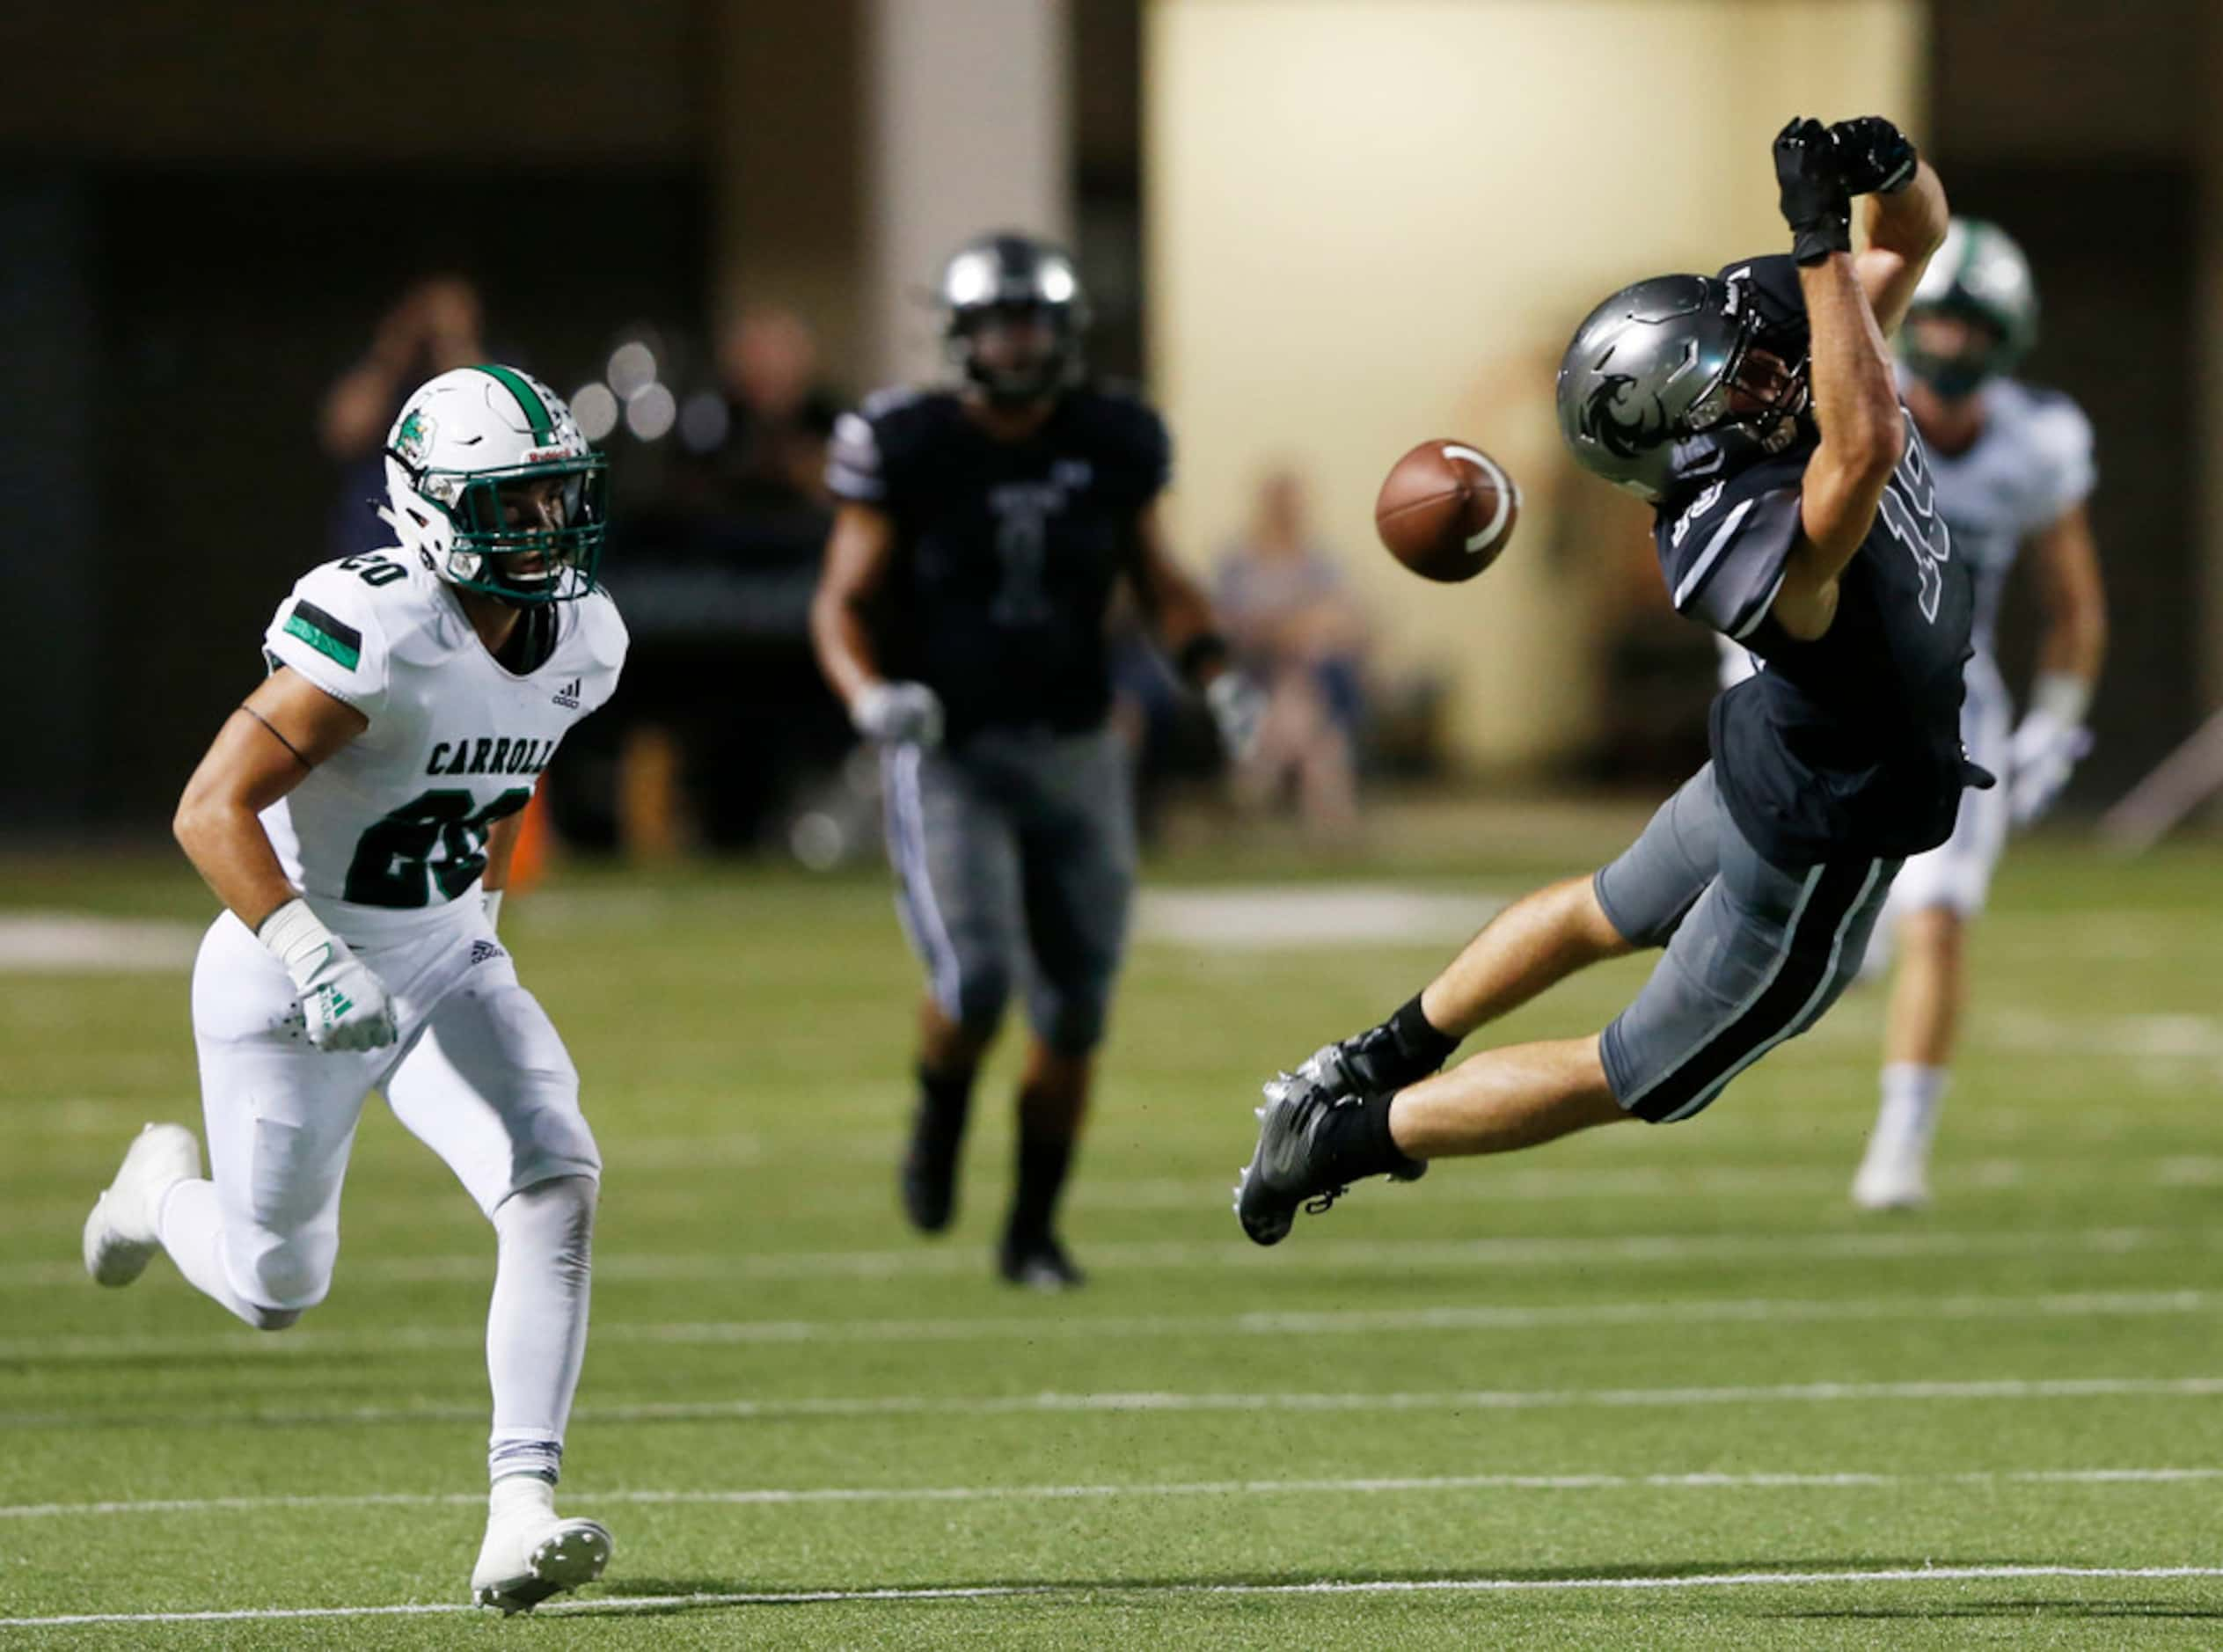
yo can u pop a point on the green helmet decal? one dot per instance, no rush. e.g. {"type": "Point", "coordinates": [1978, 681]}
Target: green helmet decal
{"type": "Point", "coordinates": [536, 410]}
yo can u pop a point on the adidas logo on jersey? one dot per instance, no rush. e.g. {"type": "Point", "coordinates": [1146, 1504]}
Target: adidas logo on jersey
{"type": "Point", "coordinates": [567, 696]}
{"type": "Point", "coordinates": [486, 952]}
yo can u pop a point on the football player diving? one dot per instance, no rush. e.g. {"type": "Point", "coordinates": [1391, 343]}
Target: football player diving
{"type": "Point", "coordinates": [2014, 468]}
{"type": "Point", "coordinates": [356, 816]}
{"type": "Point", "coordinates": [982, 534]}
{"type": "Point", "coordinates": [1755, 412]}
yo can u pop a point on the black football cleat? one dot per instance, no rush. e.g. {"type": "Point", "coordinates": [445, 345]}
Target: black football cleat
{"type": "Point", "coordinates": [1304, 1157]}
{"type": "Point", "coordinates": [929, 1173]}
{"type": "Point", "coordinates": [1039, 1263]}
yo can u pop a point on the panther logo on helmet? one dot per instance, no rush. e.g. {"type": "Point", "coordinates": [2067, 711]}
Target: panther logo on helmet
{"type": "Point", "coordinates": [1603, 420]}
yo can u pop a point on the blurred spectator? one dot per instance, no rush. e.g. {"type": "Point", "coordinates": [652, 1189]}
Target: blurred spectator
{"type": "Point", "coordinates": [779, 413]}
{"type": "Point", "coordinates": [725, 730]}
{"type": "Point", "coordinates": [436, 326]}
{"type": "Point", "coordinates": [1294, 627]}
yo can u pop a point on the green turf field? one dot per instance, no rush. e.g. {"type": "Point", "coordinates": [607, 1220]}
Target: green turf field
{"type": "Point", "coordinates": [1653, 1387]}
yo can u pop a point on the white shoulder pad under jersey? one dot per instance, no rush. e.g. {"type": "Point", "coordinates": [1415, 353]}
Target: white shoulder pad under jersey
{"type": "Point", "coordinates": [398, 819]}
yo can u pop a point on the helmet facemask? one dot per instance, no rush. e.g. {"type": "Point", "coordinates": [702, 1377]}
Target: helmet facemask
{"type": "Point", "coordinates": [1954, 362]}
{"type": "Point", "coordinates": [528, 533]}
{"type": "Point", "coordinates": [1762, 394]}
{"type": "Point", "coordinates": [1038, 372]}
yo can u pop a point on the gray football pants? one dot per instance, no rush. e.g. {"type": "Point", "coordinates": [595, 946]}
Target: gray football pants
{"type": "Point", "coordinates": [1756, 952]}
{"type": "Point", "coordinates": [1014, 858]}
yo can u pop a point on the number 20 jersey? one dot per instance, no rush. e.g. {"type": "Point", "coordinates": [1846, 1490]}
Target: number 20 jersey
{"type": "Point", "coordinates": [397, 820]}
{"type": "Point", "coordinates": [1006, 554]}
{"type": "Point", "coordinates": [1847, 746]}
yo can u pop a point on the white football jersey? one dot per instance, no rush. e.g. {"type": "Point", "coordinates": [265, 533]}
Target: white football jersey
{"type": "Point", "coordinates": [397, 821]}
{"type": "Point", "coordinates": [2032, 465]}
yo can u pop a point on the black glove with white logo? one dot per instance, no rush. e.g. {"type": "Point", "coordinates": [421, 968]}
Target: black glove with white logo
{"type": "Point", "coordinates": [1874, 157]}
{"type": "Point", "coordinates": [1813, 196]}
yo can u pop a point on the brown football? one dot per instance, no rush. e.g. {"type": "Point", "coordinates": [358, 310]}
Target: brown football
{"type": "Point", "coordinates": [1446, 509]}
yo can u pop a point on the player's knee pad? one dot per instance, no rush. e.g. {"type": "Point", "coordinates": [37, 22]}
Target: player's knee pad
{"type": "Point", "coordinates": [1070, 1022]}
{"type": "Point", "coordinates": [285, 1276]}
{"type": "Point", "coordinates": [555, 1217]}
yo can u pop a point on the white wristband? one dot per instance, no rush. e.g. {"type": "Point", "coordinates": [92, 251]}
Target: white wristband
{"type": "Point", "coordinates": [2063, 695]}
{"type": "Point", "coordinates": [298, 938]}
{"type": "Point", "coordinates": [493, 906]}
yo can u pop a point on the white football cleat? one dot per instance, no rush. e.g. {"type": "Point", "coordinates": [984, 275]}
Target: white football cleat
{"type": "Point", "coordinates": [531, 1553]}
{"type": "Point", "coordinates": [124, 1230]}
{"type": "Point", "coordinates": [1894, 1175]}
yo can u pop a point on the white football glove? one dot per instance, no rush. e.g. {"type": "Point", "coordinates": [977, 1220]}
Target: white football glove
{"type": "Point", "coordinates": [1239, 707]}
{"type": "Point", "coordinates": [898, 713]}
{"type": "Point", "coordinates": [344, 1005]}
{"type": "Point", "coordinates": [2043, 752]}
{"type": "Point", "coordinates": [2046, 745]}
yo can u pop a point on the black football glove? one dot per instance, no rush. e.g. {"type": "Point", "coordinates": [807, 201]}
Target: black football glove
{"type": "Point", "coordinates": [1874, 157]}
{"type": "Point", "coordinates": [1813, 199]}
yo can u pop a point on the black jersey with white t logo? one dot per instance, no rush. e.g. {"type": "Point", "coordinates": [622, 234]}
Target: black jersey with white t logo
{"type": "Point", "coordinates": [1006, 553]}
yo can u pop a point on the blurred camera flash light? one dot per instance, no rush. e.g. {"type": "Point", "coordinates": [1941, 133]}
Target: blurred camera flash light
{"type": "Point", "coordinates": [596, 410]}
{"type": "Point", "coordinates": [649, 415]}
{"type": "Point", "coordinates": [632, 370]}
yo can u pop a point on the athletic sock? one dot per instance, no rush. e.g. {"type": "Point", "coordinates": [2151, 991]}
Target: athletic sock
{"type": "Point", "coordinates": [1422, 1049]}
{"type": "Point", "coordinates": [1045, 1159]}
{"type": "Point", "coordinates": [191, 1228]}
{"type": "Point", "coordinates": [1912, 1092]}
{"type": "Point", "coordinates": [537, 1323]}
{"type": "Point", "coordinates": [1354, 1142]}
{"type": "Point", "coordinates": [944, 1100]}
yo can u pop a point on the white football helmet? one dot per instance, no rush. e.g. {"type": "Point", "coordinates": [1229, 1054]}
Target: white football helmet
{"type": "Point", "coordinates": [468, 487]}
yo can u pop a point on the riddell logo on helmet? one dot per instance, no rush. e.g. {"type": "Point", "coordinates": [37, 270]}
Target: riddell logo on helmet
{"type": "Point", "coordinates": [539, 454]}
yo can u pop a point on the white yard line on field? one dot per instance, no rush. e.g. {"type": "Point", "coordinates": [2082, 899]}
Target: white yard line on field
{"type": "Point", "coordinates": [814, 1201]}
{"type": "Point", "coordinates": [807, 1407]}
{"type": "Point", "coordinates": [476, 1267]}
{"type": "Point", "coordinates": [1093, 1591]}
{"type": "Point", "coordinates": [1033, 1328]}
{"type": "Point", "coordinates": [782, 1497]}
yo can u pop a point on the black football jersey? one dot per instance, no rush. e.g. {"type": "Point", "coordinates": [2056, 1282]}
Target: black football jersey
{"type": "Point", "coordinates": [1848, 745]}
{"type": "Point", "coordinates": [1007, 554]}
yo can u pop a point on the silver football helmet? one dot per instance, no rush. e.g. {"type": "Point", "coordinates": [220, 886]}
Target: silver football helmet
{"type": "Point", "coordinates": [1672, 378]}
{"type": "Point", "coordinates": [1005, 273]}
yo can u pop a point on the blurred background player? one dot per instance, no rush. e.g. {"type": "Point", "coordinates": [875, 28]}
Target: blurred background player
{"type": "Point", "coordinates": [1757, 412]}
{"type": "Point", "coordinates": [356, 816]}
{"type": "Point", "coordinates": [2014, 469]}
{"type": "Point", "coordinates": [981, 535]}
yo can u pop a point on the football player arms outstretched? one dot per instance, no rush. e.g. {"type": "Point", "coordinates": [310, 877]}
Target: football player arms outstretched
{"type": "Point", "coordinates": [1755, 412]}
{"type": "Point", "coordinates": [2014, 467]}
{"type": "Point", "coordinates": [355, 816]}
{"type": "Point", "coordinates": [982, 533]}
